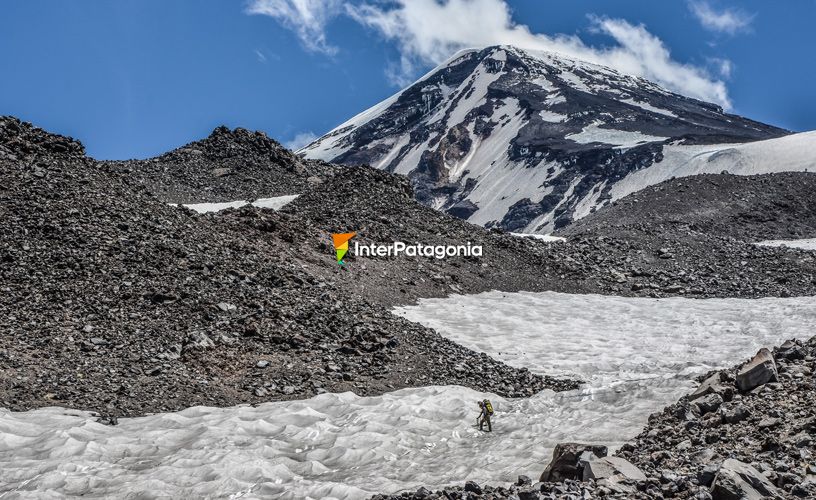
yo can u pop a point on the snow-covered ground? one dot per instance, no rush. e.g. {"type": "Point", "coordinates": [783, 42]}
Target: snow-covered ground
{"type": "Point", "coordinates": [805, 244]}
{"type": "Point", "coordinates": [635, 354]}
{"type": "Point", "coordinates": [275, 203]}
{"type": "Point", "coordinates": [543, 237]}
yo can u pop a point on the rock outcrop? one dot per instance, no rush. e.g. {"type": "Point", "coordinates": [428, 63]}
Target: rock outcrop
{"type": "Point", "coordinates": [568, 461]}
{"type": "Point", "coordinates": [736, 480]}
{"type": "Point", "coordinates": [759, 371]}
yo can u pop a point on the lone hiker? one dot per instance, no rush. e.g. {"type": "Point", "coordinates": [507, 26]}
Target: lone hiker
{"type": "Point", "coordinates": [486, 411]}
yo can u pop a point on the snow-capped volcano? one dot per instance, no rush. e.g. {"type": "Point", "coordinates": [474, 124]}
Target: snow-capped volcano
{"type": "Point", "coordinates": [528, 140]}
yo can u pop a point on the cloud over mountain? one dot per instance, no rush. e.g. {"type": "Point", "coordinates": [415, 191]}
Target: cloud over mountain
{"type": "Point", "coordinates": [426, 32]}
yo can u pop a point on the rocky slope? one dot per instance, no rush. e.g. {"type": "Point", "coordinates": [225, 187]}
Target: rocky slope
{"type": "Point", "coordinates": [629, 263]}
{"type": "Point", "coordinates": [529, 141]}
{"type": "Point", "coordinates": [116, 302]}
{"type": "Point", "coordinates": [748, 208]}
{"type": "Point", "coordinates": [745, 432]}
{"type": "Point", "coordinates": [228, 165]}
{"type": "Point", "coordinates": [380, 208]}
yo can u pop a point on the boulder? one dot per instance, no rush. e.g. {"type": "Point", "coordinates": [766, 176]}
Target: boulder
{"type": "Point", "coordinates": [565, 461]}
{"type": "Point", "coordinates": [733, 414]}
{"type": "Point", "coordinates": [759, 371]}
{"type": "Point", "coordinates": [473, 487]}
{"type": "Point", "coordinates": [613, 469]}
{"type": "Point", "coordinates": [709, 403]}
{"type": "Point", "coordinates": [739, 481]}
{"type": "Point", "coordinates": [791, 350]}
{"type": "Point", "coordinates": [713, 385]}
{"type": "Point", "coordinates": [706, 476]}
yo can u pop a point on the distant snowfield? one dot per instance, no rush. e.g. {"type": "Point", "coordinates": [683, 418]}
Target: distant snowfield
{"type": "Point", "coordinates": [620, 138]}
{"type": "Point", "coordinates": [543, 237]}
{"type": "Point", "coordinates": [636, 355]}
{"type": "Point", "coordinates": [805, 244]}
{"type": "Point", "coordinates": [791, 153]}
{"type": "Point", "coordinates": [275, 203]}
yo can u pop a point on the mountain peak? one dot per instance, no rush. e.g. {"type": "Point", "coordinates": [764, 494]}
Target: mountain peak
{"type": "Point", "coordinates": [224, 143]}
{"type": "Point", "coordinates": [524, 139]}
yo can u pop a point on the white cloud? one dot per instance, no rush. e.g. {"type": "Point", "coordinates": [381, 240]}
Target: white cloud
{"type": "Point", "coordinates": [260, 56]}
{"type": "Point", "coordinates": [307, 18]}
{"type": "Point", "coordinates": [299, 140]}
{"type": "Point", "coordinates": [724, 66]}
{"type": "Point", "coordinates": [427, 32]}
{"type": "Point", "coordinates": [730, 21]}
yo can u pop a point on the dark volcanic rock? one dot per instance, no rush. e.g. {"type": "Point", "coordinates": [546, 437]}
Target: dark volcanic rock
{"type": "Point", "coordinates": [760, 370]}
{"type": "Point", "coordinates": [737, 481]}
{"type": "Point", "coordinates": [743, 207]}
{"type": "Point", "coordinates": [228, 165]}
{"type": "Point", "coordinates": [568, 461]}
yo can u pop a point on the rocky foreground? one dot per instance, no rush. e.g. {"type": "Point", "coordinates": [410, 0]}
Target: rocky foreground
{"type": "Point", "coordinates": [745, 433]}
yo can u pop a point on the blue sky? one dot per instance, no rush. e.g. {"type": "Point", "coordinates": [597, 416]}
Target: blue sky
{"type": "Point", "coordinates": [132, 79]}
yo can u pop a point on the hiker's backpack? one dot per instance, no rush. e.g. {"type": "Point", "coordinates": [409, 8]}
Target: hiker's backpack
{"type": "Point", "coordinates": [488, 407]}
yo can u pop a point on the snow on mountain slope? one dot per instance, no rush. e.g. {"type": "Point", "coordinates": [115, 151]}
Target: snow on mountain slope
{"type": "Point", "coordinates": [530, 140]}
{"type": "Point", "coordinates": [793, 153]}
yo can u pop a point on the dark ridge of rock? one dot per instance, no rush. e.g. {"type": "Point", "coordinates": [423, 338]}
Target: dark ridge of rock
{"type": "Point", "coordinates": [22, 141]}
{"type": "Point", "coordinates": [636, 262]}
{"type": "Point", "coordinates": [228, 165]}
{"type": "Point", "coordinates": [143, 307]}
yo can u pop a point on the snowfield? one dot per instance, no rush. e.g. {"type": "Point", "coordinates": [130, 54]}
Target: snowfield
{"type": "Point", "coordinates": [543, 237]}
{"type": "Point", "coordinates": [804, 244]}
{"type": "Point", "coordinates": [275, 203]}
{"type": "Point", "coordinates": [635, 354]}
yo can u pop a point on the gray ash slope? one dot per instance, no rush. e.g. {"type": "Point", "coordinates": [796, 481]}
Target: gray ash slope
{"type": "Point", "coordinates": [697, 234]}
{"type": "Point", "coordinates": [749, 208]}
{"type": "Point", "coordinates": [639, 261]}
{"type": "Point", "coordinates": [528, 141]}
{"type": "Point", "coordinates": [743, 433]}
{"type": "Point", "coordinates": [227, 165]}
{"type": "Point", "coordinates": [116, 302]}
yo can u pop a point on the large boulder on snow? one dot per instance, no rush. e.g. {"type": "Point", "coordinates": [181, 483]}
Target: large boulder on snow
{"type": "Point", "coordinates": [568, 461]}
{"type": "Point", "coordinates": [613, 469]}
{"type": "Point", "coordinates": [739, 481]}
{"type": "Point", "coordinates": [760, 370]}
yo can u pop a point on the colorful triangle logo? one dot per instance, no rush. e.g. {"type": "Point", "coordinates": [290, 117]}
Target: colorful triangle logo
{"type": "Point", "coordinates": [341, 245]}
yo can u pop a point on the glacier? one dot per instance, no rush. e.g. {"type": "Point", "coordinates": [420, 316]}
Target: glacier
{"type": "Point", "coordinates": [635, 354]}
